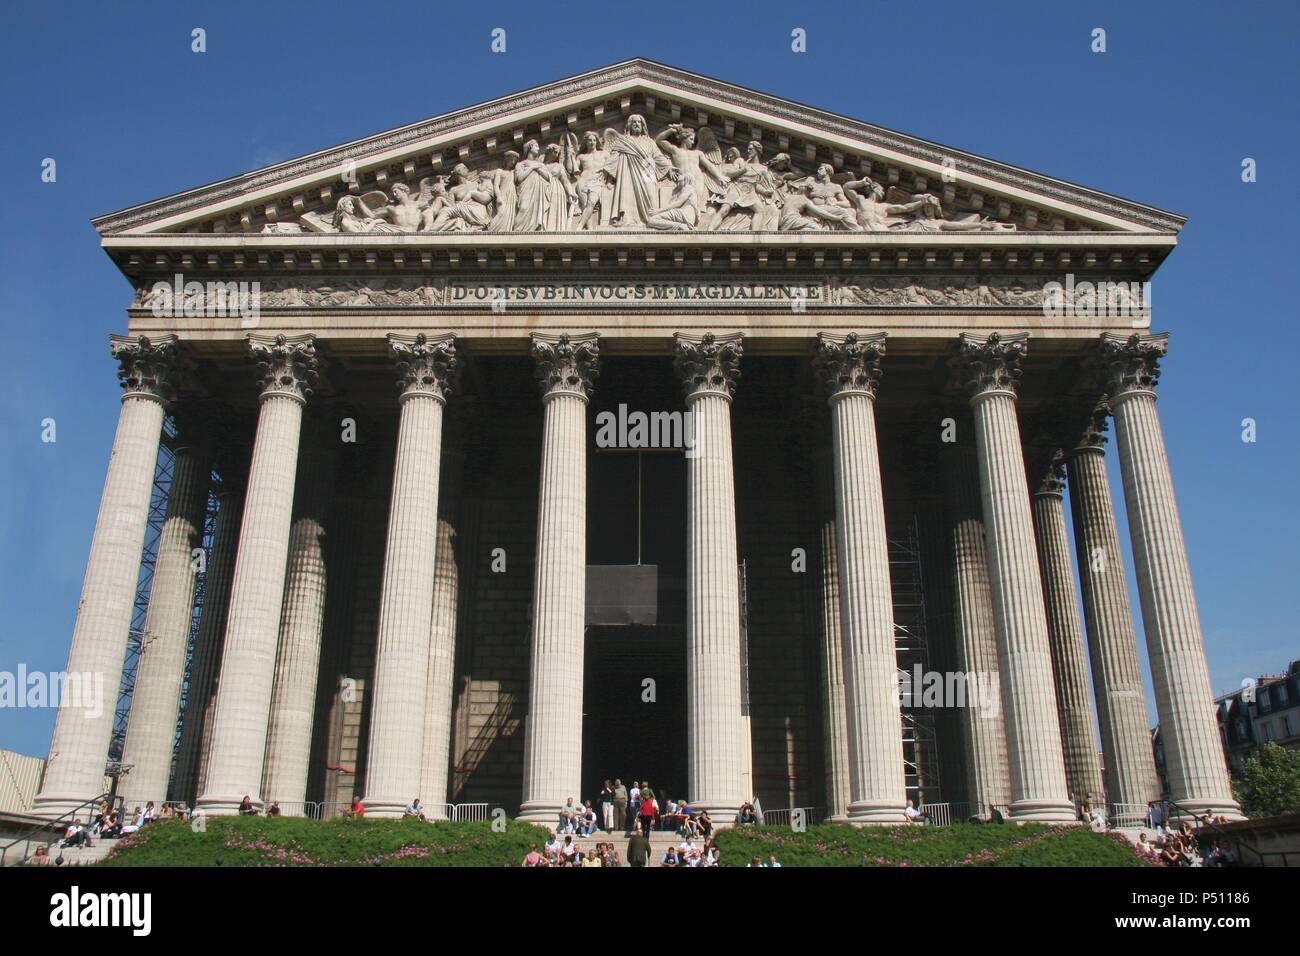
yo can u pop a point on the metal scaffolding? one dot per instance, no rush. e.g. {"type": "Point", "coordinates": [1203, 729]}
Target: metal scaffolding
{"type": "Point", "coordinates": [911, 644]}
{"type": "Point", "coordinates": [162, 481]}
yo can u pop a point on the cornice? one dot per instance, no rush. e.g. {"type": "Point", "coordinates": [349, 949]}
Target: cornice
{"type": "Point", "coordinates": [628, 74]}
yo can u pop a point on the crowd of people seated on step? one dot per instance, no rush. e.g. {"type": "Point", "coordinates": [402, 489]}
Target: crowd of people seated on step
{"type": "Point", "coordinates": [1178, 846]}
{"type": "Point", "coordinates": [557, 852]}
{"type": "Point", "coordinates": [632, 808]}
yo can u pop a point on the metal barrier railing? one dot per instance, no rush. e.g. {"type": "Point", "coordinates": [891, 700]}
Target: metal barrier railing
{"type": "Point", "coordinates": [937, 814]}
{"type": "Point", "coordinates": [470, 811]}
{"type": "Point", "coordinates": [1127, 816]}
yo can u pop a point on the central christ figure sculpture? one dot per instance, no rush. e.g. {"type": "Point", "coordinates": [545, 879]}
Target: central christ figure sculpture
{"type": "Point", "coordinates": [636, 164]}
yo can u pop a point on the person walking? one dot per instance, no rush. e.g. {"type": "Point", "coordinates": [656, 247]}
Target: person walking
{"type": "Point", "coordinates": [638, 849]}
{"type": "Point", "coordinates": [649, 810]}
{"type": "Point", "coordinates": [633, 806]}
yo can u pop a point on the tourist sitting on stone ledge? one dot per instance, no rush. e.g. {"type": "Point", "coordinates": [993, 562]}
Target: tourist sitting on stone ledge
{"type": "Point", "coordinates": [569, 814]}
{"type": "Point", "coordinates": [746, 816]}
{"type": "Point", "coordinates": [273, 810]}
{"type": "Point", "coordinates": [413, 810]}
{"type": "Point", "coordinates": [670, 858]}
{"type": "Point", "coordinates": [357, 810]}
{"type": "Point", "coordinates": [533, 858]}
{"type": "Point", "coordinates": [609, 855]}
{"type": "Point", "coordinates": [568, 849]}
{"type": "Point", "coordinates": [914, 815]}
{"type": "Point", "coordinates": [246, 806]}
{"type": "Point", "coordinates": [553, 844]}
{"type": "Point", "coordinates": [76, 835]}
{"type": "Point", "coordinates": [586, 820]}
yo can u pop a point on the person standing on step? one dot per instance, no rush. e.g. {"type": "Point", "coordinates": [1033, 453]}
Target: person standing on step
{"type": "Point", "coordinates": [638, 849]}
{"type": "Point", "coordinates": [620, 806]}
{"type": "Point", "coordinates": [606, 801]}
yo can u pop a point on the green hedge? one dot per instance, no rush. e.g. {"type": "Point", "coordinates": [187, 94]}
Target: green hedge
{"type": "Point", "coordinates": [286, 841]}
{"type": "Point", "coordinates": [1033, 844]}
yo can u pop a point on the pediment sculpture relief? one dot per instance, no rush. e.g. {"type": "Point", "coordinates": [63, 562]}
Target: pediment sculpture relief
{"type": "Point", "coordinates": [680, 180]}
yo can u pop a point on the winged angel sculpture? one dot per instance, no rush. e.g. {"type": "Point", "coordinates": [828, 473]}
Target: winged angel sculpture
{"type": "Point", "coordinates": [680, 180]}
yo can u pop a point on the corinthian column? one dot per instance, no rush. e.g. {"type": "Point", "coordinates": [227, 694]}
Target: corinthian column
{"type": "Point", "coordinates": [155, 700]}
{"type": "Point", "coordinates": [1129, 765]}
{"type": "Point", "coordinates": [835, 721]}
{"type": "Point", "coordinates": [302, 621]}
{"type": "Point", "coordinates": [566, 367]}
{"type": "Point", "coordinates": [83, 727]}
{"type": "Point", "coordinates": [1073, 704]}
{"type": "Point", "coordinates": [239, 721]}
{"type": "Point", "coordinates": [442, 635]}
{"type": "Point", "coordinates": [719, 778]}
{"type": "Point", "coordinates": [849, 368]}
{"type": "Point", "coordinates": [1194, 762]}
{"type": "Point", "coordinates": [983, 726]}
{"type": "Point", "coordinates": [427, 367]}
{"type": "Point", "coordinates": [1038, 786]}
{"type": "Point", "coordinates": [205, 661]}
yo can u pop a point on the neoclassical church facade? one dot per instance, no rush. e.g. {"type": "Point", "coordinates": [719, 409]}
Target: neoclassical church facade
{"type": "Point", "coordinates": [640, 425]}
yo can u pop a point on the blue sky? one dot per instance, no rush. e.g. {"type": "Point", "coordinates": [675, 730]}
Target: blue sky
{"type": "Point", "coordinates": [1183, 94]}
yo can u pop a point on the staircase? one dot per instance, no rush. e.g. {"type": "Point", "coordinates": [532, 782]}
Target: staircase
{"type": "Point", "coordinates": [80, 855]}
{"type": "Point", "coordinates": [660, 841]}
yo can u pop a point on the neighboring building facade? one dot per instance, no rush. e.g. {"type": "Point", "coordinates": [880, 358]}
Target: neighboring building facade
{"type": "Point", "coordinates": [460, 590]}
{"type": "Point", "coordinates": [1266, 712]}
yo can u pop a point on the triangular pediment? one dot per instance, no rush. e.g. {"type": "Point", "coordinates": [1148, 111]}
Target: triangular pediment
{"type": "Point", "coordinates": [569, 157]}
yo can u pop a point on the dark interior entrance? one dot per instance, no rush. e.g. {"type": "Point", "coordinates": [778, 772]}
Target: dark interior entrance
{"type": "Point", "coordinates": [625, 734]}
{"type": "Point", "coordinates": [636, 616]}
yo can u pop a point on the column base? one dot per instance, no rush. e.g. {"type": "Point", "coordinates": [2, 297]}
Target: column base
{"type": "Point", "coordinates": [1044, 811]}
{"type": "Point", "coordinates": [384, 808]}
{"type": "Point", "coordinates": [721, 812]}
{"type": "Point", "coordinates": [218, 806]}
{"type": "Point", "coordinates": [541, 812]}
{"type": "Point", "coordinates": [837, 818]}
{"type": "Point", "coordinates": [876, 815]}
{"type": "Point", "coordinates": [54, 805]}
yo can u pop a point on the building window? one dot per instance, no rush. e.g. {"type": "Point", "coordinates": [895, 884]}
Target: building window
{"type": "Point", "coordinates": [1281, 695]}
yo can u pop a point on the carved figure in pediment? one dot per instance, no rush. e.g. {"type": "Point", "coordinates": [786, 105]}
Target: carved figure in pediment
{"type": "Point", "coordinates": [504, 195]}
{"type": "Point", "coordinates": [351, 216]}
{"type": "Point", "coordinates": [835, 209]}
{"type": "Point", "coordinates": [635, 164]}
{"type": "Point", "coordinates": [464, 207]}
{"type": "Point", "coordinates": [681, 212]}
{"type": "Point", "coordinates": [874, 214]}
{"type": "Point", "coordinates": [531, 179]}
{"type": "Point", "coordinates": [805, 211]}
{"type": "Point", "coordinates": [697, 163]}
{"type": "Point", "coordinates": [561, 199]}
{"type": "Point", "coordinates": [405, 209]}
{"type": "Point", "coordinates": [750, 191]}
{"type": "Point", "coordinates": [587, 167]}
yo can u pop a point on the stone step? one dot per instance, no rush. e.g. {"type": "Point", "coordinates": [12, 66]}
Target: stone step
{"type": "Point", "coordinates": [81, 855]}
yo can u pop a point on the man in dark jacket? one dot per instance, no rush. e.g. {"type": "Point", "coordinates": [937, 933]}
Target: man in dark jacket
{"type": "Point", "coordinates": [638, 849]}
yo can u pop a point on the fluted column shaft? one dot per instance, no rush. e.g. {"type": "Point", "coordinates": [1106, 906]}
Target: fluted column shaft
{"type": "Point", "coordinates": [866, 616]}
{"type": "Point", "coordinates": [160, 670]}
{"type": "Point", "coordinates": [719, 774]}
{"type": "Point", "coordinates": [239, 721]}
{"type": "Point", "coordinates": [553, 735]}
{"type": "Point", "coordinates": [850, 367]}
{"type": "Point", "coordinates": [1129, 765]}
{"type": "Point", "coordinates": [205, 662]}
{"type": "Point", "coordinates": [396, 745]}
{"type": "Point", "coordinates": [835, 720]}
{"type": "Point", "coordinates": [83, 726]}
{"type": "Point", "coordinates": [442, 641]}
{"type": "Point", "coordinates": [1194, 760]}
{"type": "Point", "coordinates": [983, 728]}
{"type": "Point", "coordinates": [1069, 662]}
{"type": "Point", "coordinates": [1038, 784]}
{"type": "Point", "coordinates": [302, 623]}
